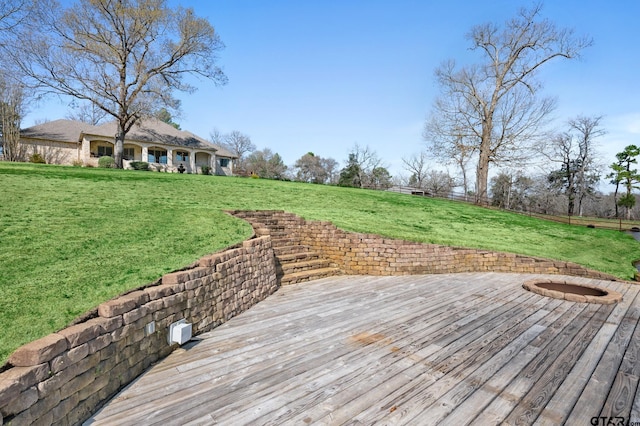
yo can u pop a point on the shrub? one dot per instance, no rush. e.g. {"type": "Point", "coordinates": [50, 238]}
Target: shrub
{"type": "Point", "coordinates": [254, 176]}
{"type": "Point", "coordinates": [139, 165]}
{"type": "Point", "coordinates": [77, 163]}
{"type": "Point", "coordinates": [206, 170]}
{"type": "Point", "coordinates": [106, 162]}
{"type": "Point", "coordinates": [37, 158]}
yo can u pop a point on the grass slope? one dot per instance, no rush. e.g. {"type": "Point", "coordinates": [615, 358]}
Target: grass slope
{"type": "Point", "coordinates": [71, 238]}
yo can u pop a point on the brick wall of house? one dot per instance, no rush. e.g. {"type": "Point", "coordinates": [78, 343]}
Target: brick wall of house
{"type": "Point", "coordinates": [64, 377]}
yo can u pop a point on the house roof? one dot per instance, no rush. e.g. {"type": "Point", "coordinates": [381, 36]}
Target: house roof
{"type": "Point", "coordinates": [148, 130]}
{"type": "Point", "coordinates": [58, 130]}
{"type": "Point", "coordinates": [223, 152]}
{"type": "Point", "coordinates": [154, 130]}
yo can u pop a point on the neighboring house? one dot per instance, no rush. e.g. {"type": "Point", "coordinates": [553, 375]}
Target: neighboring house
{"type": "Point", "coordinates": [161, 145]}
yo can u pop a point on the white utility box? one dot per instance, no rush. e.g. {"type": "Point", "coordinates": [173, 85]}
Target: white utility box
{"type": "Point", "coordinates": [179, 332]}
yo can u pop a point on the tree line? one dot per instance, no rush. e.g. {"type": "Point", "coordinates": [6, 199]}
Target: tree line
{"type": "Point", "coordinates": [363, 169]}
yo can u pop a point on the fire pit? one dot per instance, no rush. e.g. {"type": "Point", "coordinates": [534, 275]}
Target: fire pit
{"type": "Point", "coordinates": [573, 292]}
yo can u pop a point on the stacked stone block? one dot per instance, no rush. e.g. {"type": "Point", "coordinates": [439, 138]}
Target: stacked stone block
{"type": "Point", "coordinates": [64, 377]}
{"type": "Point", "coordinates": [368, 254]}
{"type": "Point", "coordinates": [295, 261]}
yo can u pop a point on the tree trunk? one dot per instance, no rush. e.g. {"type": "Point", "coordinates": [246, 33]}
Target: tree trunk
{"type": "Point", "coordinates": [482, 172]}
{"type": "Point", "coordinates": [615, 198]}
{"type": "Point", "coordinates": [118, 147]}
{"type": "Point", "coordinates": [465, 184]}
{"type": "Point", "coordinates": [482, 177]}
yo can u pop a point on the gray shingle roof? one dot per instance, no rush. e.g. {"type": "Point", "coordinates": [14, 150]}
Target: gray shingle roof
{"type": "Point", "coordinates": [154, 130]}
{"type": "Point", "coordinates": [58, 130]}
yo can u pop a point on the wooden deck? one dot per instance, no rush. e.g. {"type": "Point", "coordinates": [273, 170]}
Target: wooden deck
{"type": "Point", "coordinates": [437, 349]}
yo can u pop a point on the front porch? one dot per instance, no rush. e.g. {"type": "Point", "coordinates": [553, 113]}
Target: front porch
{"type": "Point", "coordinates": [159, 158]}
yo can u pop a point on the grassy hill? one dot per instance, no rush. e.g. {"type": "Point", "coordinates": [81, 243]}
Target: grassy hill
{"type": "Point", "coordinates": [71, 238]}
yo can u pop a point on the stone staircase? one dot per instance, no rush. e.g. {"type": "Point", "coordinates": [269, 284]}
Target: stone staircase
{"type": "Point", "coordinates": [295, 262]}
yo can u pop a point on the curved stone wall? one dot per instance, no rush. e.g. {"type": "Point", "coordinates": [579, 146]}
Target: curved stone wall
{"type": "Point", "coordinates": [369, 254]}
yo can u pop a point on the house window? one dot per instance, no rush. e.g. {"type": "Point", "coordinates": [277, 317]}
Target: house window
{"type": "Point", "coordinates": [128, 153]}
{"type": "Point", "coordinates": [105, 151]}
{"type": "Point", "coordinates": [224, 162]}
{"type": "Point", "coordinates": [182, 156]}
{"type": "Point", "coordinates": [158, 156]}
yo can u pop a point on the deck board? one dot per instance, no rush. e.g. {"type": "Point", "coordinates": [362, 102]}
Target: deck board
{"type": "Point", "coordinates": [454, 348]}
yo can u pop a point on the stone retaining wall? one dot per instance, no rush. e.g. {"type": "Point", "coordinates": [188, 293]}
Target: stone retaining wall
{"type": "Point", "coordinates": [64, 377]}
{"type": "Point", "coordinates": [368, 254]}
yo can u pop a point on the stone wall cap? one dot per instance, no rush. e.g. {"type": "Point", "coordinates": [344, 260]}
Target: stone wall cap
{"type": "Point", "coordinates": [39, 351]}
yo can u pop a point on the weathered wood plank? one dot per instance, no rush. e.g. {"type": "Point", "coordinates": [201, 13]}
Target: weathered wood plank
{"type": "Point", "coordinates": [557, 409]}
{"type": "Point", "coordinates": [421, 360]}
{"type": "Point", "coordinates": [422, 397]}
{"type": "Point", "coordinates": [541, 352]}
{"type": "Point", "coordinates": [466, 411]}
{"type": "Point", "coordinates": [545, 386]}
{"type": "Point", "coordinates": [595, 392]}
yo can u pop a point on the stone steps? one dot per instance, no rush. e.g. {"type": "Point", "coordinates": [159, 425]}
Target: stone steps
{"type": "Point", "coordinates": [298, 277]}
{"type": "Point", "coordinates": [298, 255]}
{"type": "Point", "coordinates": [290, 250]}
{"type": "Point", "coordinates": [295, 262]}
{"type": "Point", "coordinates": [302, 265]}
{"type": "Point", "coordinates": [285, 241]}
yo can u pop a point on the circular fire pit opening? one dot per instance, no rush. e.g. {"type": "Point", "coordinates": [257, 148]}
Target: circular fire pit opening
{"type": "Point", "coordinates": [573, 292]}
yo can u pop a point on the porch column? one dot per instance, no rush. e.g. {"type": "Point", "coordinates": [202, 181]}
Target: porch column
{"type": "Point", "coordinates": [192, 161]}
{"type": "Point", "coordinates": [145, 154]}
{"type": "Point", "coordinates": [212, 164]}
{"type": "Point", "coordinates": [85, 151]}
{"type": "Point", "coordinates": [169, 157]}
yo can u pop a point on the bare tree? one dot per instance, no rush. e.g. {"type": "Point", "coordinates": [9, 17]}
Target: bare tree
{"type": "Point", "coordinates": [361, 163]}
{"type": "Point", "coordinates": [266, 164]}
{"type": "Point", "coordinates": [216, 136]}
{"type": "Point", "coordinates": [14, 95]}
{"type": "Point", "coordinates": [13, 13]}
{"type": "Point", "coordinates": [238, 143]}
{"type": "Point", "coordinates": [495, 102]}
{"type": "Point", "coordinates": [87, 112]}
{"type": "Point", "coordinates": [586, 130]}
{"type": "Point", "coordinates": [12, 104]}
{"type": "Point", "coordinates": [449, 136]}
{"type": "Point", "coordinates": [315, 169]}
{"type": "Point", "coordinates": [127, 57]}
{"type": "Point", "coordinates": [438, 183]}
{"type": "Point", "coordinates": [330, 165]}
{"type": "Point", "coordinates": [417, 166]}
{"type": "Point", "coordinates": [575, 152]}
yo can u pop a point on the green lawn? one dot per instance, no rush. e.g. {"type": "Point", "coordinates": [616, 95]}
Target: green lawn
{"type": "Point", "coordinates": [71, 238]}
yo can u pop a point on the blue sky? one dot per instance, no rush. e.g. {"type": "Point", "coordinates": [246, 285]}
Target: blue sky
{"type": "Point", "coordinates": [320, 76]}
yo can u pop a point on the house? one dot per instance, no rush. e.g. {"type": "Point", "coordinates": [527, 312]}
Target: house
{"type": "Point", "coordinates": [161, 145]}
